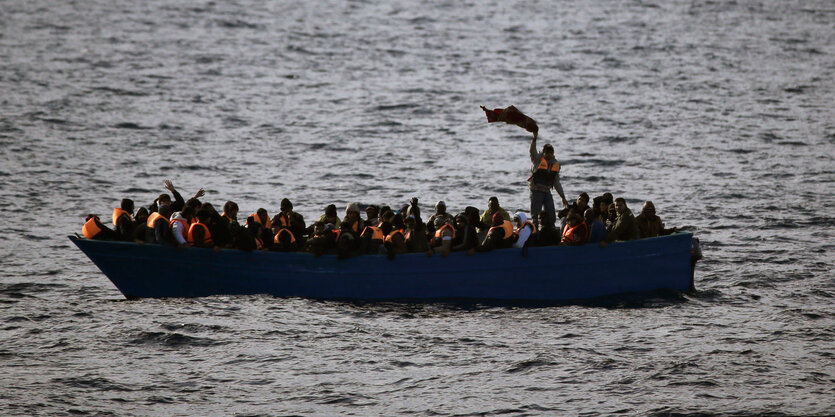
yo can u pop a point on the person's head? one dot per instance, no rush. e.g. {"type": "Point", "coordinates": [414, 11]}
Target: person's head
{"type": "Point", "coordinates": [472, 214]}
{"type": "Point", "coordinates": [141, 215]}
{"type": "Point", "coordinates": [127, 205]}
{"type": "Point", "coordinates": [519, 219]}
{"type": "Point", "coordinates": [203, 215]}
{"type": "Point", "coordinates": [620, 205]}
{"type": "Point", "coordinates": [163, 199]}
{"type": "Point", "coordinates": [497, 219]}
{"type": "Point", "coordinates": [573, 219]}
{"type": "Point", "coordinates": [493, 203]}
{"type": "Point", "coordinates": [583, 200]}
{"type": "Point", "coordinates": [548, 151]}
{"type": "Point", "coordinates": [194, 203]}
{"type": "Point", "coordinates": [387, 215]}
{"type": "Point", "coordinates": [230, 209]}
{"type": "Point", "coordinates": [263, 216]}
{"type": "Point", "coordinates": [648, 208]}
{"type": "Point", "coordinates": [371, 212]}
{"type": "Point", "coordinates": [397, 222]}
{"type": "Point", "coordinates": [318, 228]}
{"type": "Point", "coordinates": [410, 222]}
{"type": "Point", "coordinates": [165, 210]}
{"type": "Point", "coordinates": [461, 220]}
{"type": "Point", "coordinates": [286, 205]}
{"type": "Point", "coordinates": [374, 221]}
{"type": "Point", "coordinates": [440, 207]}
{"type": "Point", "coordinates": [352, 212]}
{"type": "Point", "coordinates": [330, 211]}
{"type": "Point", "coordinates": [608, 198]}
{"type": "Point", "coordinates": [188, 212]}
{"type": "Point", "coordinates": [589, 215]}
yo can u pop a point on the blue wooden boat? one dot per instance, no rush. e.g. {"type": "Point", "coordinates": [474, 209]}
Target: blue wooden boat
{"type": "Point", "coordinates": [554, 273]}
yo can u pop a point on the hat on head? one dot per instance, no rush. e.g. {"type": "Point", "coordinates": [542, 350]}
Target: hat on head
{"type": "Point", "coordinates": [440, 221]}
{"type": "Point", "coordinates": [286, 204]}
{"type": "Point", "coordinates": [440, 204]}
{"type": "Point", "coordinates": [497, 219]}
{"type": "Point", "coordinates": [352, 207]}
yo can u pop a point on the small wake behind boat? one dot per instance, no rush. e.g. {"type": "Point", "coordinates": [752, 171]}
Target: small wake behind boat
{"type": "Point", "coordinates": [552, 273]}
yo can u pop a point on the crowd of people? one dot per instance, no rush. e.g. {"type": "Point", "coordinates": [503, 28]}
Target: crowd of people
{"type": "Point", "coordinates": [383, 230]}
{"type": "Point", "coordinates": [390, 230]}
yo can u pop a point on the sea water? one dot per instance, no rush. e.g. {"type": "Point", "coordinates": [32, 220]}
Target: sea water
{"type": "Point", "coordinates": [721, 113]}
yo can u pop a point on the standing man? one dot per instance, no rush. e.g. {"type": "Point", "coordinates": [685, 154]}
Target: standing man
{"type": "Point", "coordinates": [545, 174]}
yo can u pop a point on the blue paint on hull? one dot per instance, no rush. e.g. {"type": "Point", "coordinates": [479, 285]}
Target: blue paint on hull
{"type": "Point", "coordinates": [546, 274]}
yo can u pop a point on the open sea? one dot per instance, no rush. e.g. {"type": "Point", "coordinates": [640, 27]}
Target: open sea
{"type": "Point", "coordinates": [720, 112]}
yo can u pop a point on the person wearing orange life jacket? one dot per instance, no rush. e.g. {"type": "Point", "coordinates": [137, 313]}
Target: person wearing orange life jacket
{"type": "Point", "coordinates": [395, 242]}
{"type": "Point", "coordinates": [199, 234]}
{"type": "Point", "coordinates": [288, 218]}
{"type": "Point", "coordinates": [499, 236]}
{"type": "Point", "coordinates": [524, 229]}
{"type": "Point", "coordinates": [372, 238]}
{"type": "Point", "coordinates": [545, 174]}
{"type": "Point", "coordinates": [94, 229]}
{"type": "Point", "coordinates": [322, 240]}
{"type": "Point", "coordinates": [180, 224]}
{"type": "Point", "coordinates": [355, 222]}
{"type": "Point", "coordinates": [123, 219]}
{"type": "Point", "coordinates": [159, 223]}
{"type": "Point", "coordinates": [576, 232]}
{"type": "Point", "coordinates": [444, 236]}
{"type": "Point", "coordinates": [264, 233]}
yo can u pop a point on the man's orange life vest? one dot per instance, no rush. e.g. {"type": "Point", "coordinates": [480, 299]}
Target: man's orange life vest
{"type": "Point", "coordinates": [184, 229]}
{"type": "Point", "coordinates": [572, 235]}
{"type": "Point", "coordinates": [91, 229]}
{"type": "Point", "coordinates": [440, 232]}
{"type": "Point", "coordinates": [269, 223]}
{"type": "Point", "coordinates": [376, 233]}
{"type": "Point", "coordinates": [152, 219]}
{"type": "Point", "coordinates": [207, 235]}
{"type": "Point", "coordinates": [508, 229]}
{"type": "Point", "coordinates": [287, 231]}
{"type": "Point", "coordinates": [545, 173]}
{"type": "Point", "coordinates": [390, 237]}
{"type": "Point", "coordinates": [527, 223]}
{"type": "Point", "coordinates": [118, 212]}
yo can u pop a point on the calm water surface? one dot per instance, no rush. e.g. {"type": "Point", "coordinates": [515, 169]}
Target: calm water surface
{"type": "Point", "coordinates": [719, 112]}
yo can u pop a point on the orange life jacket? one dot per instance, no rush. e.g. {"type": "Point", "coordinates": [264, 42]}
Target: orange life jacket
{"type": "Point", "coordinates": [508, 229]}
{"type": "Point", "coordinates": [376, 232]}
{"type": "Point", "coordinates": [184, 229]}
{"type": "Point", "coordinates": [91, 229]}
{"type": "Point", "coordinates": [118, 212]}
{"type": "Point", "coordinates": [152, 219]}
{"type": "Point", "coordinates": [283, 220]}
{"type": "Point", "coordinates": [207, 235]}
{"type": "Point", "coordinates": [440, 232]}
{"type": "Point", "coordinates": [280, 231]}
{"type": "Point", "coordinates": [390, 237]}
{"type": "Point", "coordinates": [545, 172]}
{"type": "Point", "coordinates": [572, 236]}
{"type": "Point", "coordinates": [527, 223]}
{"type": "Point", "coordinates": [269, 224]}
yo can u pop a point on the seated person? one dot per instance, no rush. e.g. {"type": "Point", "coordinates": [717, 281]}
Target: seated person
{"type": "Point", "coordinates": [547, 234]}
{"type": "Point", "coordinates": [499, 236]}
{"type": "Point", "coordinates": [323, 240]}
{"type": "Point", "coordinates": [199, 233]}
{"type": "Point", "coordinates": [94, 229]}
{"type": "Point", "coordinates": [650, 225]}
{"type": "Point", "coordinates": [597, 230]}
{"type": "Point", "coordinates": [444, 236]}
{"type": "Point", "coordinates": [466, 236]}
{"type": "Point", "coordinates": [576, 232]}
{"type": "Point", "coordinates": [524, 229]}
{"type": "Point", "coordinates": [372, 238]}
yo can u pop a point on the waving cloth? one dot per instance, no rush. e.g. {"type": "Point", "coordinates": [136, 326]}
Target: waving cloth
{"type": "Point", "coordinates": [513, 116]}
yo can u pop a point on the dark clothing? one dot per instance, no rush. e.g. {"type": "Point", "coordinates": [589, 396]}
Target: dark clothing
{"type": "Point", "coordinates": [466, 238]}
{"type": "Point", "coordinates": [140, 232]}
{"type": "Point", "coordinates": [545, 236]}
{"type": "Point", "coordinates": [245, 239]}
{"type": "Point", "coordinates": [322, 244]}
{"type": "Point", "coordinates": [494, 240]}
{"type": "Point", "coordinates": [176, 205]}
{"type": "Point", "coordinates": [106, 233]}
{"type": "Point", "coordinates": [125, 226]}
{"type": "Point", "coordinates": [163, 235]}
{"type": "Point", "coordinates": [386, 227]}
{"type": "Point", "coordinates": [625, 228]}
{"type": "Point", "coordinates": [219, 228]}
{"type": "Point", "coordinates": [651, 226]}
{"type": "Point", "coordinates": [417, 241]}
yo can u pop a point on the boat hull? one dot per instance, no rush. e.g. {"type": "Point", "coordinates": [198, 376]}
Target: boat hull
{"type": "Point", "coordinates": [552, 273]}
